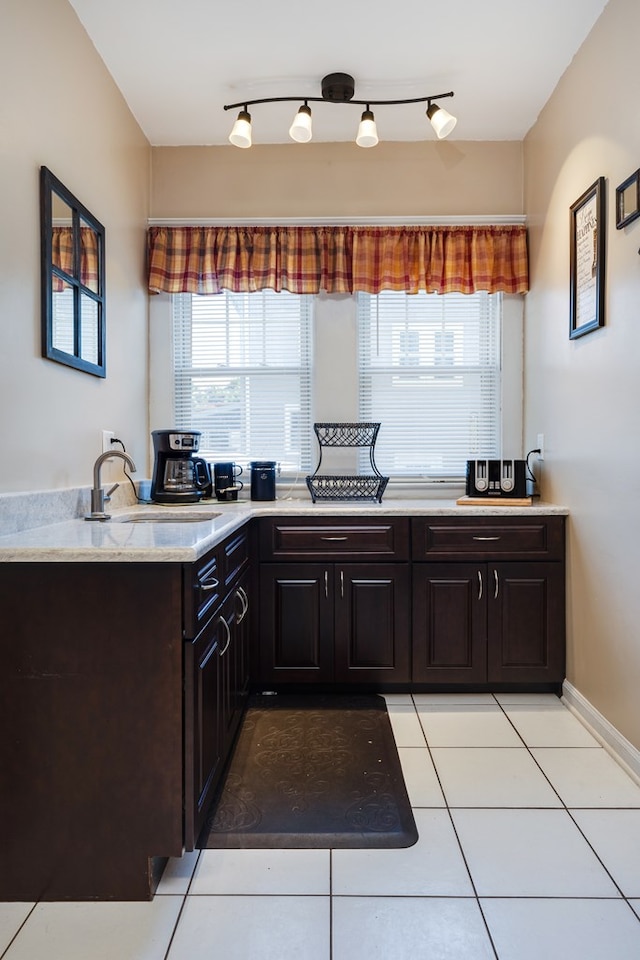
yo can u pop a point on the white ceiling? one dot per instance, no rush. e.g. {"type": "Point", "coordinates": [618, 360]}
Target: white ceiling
{"type": "Point", "coordinates": [177, 62]}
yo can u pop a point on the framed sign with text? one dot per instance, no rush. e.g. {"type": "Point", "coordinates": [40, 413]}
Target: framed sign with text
{"type": "Point", "coordinates": [587, 260]}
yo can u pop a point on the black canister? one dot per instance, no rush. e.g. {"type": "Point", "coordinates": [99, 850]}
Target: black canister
{"type": "Point", "coordinates": [263, 479]}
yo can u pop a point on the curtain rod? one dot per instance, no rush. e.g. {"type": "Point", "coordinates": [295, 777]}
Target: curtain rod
{"type": "Point", "coordinates": [471, 221]}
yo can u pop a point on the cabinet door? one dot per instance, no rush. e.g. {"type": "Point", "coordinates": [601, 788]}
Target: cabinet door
{"type": "Point", "coordinates": [526, 622]}
{"type": "Point", "coordinates": [449, 623]}
{"type": "Point", "coordinates": [296, 623]}
{"type": "Point", "coordinates": [372, 623]}
{"type": "Point", "coordinates": [204, 725]}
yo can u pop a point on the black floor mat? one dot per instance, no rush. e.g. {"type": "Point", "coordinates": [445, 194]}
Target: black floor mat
{"type": "Point", "coordinates": [312, 771]}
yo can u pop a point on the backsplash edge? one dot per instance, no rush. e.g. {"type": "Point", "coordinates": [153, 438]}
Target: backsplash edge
{"type": "Point", "coordinates": [39, 508]}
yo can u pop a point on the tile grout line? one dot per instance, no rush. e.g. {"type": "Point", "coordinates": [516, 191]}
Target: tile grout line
{"type": "Point", "coordinates": [562, 807]}
{"type": "Point", "coordinates": [568, 811]}
{"type": "Point", "coordinates": [331, 903]}
{"type": "Point", "coordinates": [455, 832]}
{"type": "Point", "coordinates": [182, 907]}
{"type": "Point", "coordinates": [19, 930]}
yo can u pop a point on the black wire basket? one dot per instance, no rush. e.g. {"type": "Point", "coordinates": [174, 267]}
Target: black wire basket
{"type": "Point", "coordinates": [344, 488]}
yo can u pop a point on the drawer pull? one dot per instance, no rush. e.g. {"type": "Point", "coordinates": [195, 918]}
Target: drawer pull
{"type": "Point", "coordinates": [486, 538]}
{"type": "Point", "coordinates": [226, 646]}
{"type": "Point", "coordinates": [244, 600]}
{"type": "Point", "coordinates": [210, 584]}
{"type": "Point", "coordinates": [479, 585]}
{"type": "Point", "coordinates": [334, 538]}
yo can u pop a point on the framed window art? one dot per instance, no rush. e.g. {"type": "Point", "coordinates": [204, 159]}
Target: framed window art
{"type": "Point", "coordinates": [587, 260]}
{"type": "Point", "coordinates": [628, 200]}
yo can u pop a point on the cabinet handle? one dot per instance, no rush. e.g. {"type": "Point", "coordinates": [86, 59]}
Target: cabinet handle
{"type": "Point", "coordinates": [479, 585]}
{"type": "Point", "coordinates": [497, 585]}
{"type": "Point", "coordinates": [209, 584]}
{"type": "Point", "coordinates": [486, 538]}
{"type": "Point", "coordinates": [334, 538]}
{"type": "Point", "coordinates": [341, 583]}
{"type": "Point", "coordinates": [226, 646]}
{"type": "Point", "coordinates": [326, 584]}
{"type": "Point", "coordinates": [244, 600]}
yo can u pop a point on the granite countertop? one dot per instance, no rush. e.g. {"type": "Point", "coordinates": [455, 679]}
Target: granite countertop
{"type": "Point", "coordinates": [81, 541]}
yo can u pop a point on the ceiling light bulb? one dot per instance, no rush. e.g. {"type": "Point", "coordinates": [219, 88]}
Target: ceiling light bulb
{"type": "Point", "coordinates": [441, 120]}
{"type": "Point", "coordinates": [240, 136]}
{"type": "Point", "coordinates": [300, 129]}
{"type": "Point", "coordinates": [367, 132]}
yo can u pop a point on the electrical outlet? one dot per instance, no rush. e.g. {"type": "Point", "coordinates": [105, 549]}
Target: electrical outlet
{"type": "Point", "coordinates": [107, 437]}
{"type": "Point", "coordinates": [540, 446]}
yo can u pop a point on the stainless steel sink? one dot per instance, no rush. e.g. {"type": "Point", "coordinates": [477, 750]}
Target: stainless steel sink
{"type": "Point", "coordinates": [201, 516]}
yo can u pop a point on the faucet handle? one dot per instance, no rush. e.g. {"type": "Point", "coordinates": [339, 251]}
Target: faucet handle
{"type": "Point", "coordinates": [107, 495]}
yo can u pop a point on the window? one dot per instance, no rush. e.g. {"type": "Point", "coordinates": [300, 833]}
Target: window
{"type": "Point", "coordinates": [429, 371]}
{"type": "Point", "coordinates": [242, 369]}
{"type": "Point", "coordinates": [253, 372]}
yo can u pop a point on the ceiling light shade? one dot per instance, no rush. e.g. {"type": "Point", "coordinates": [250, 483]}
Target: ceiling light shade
{"type": "Point", "coordinates": [441, 120]}
{"type": "Point", "coordinates": [240, 135]}
{"type": "Point", "coordinates": [300, 129]}
{"type": "Point", "coordinates": [367, 131]}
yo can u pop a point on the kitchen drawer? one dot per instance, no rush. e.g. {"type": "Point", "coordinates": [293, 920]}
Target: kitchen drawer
{"type": "Point", "coordinates": [329, 538]}
{"type": "Point", "coordinates": [234, 555]}
{"type": "Point", "coordinates": [203, 591]}
{"type": "Point", "coordinates": [477, 538]}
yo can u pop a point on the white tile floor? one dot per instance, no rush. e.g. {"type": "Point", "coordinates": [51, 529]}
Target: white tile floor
{"type": "Point", "coordinates": [529, 848]}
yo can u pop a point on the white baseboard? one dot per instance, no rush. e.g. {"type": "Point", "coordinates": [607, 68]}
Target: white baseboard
{"type": "Point", "coordinates": [611, 739]}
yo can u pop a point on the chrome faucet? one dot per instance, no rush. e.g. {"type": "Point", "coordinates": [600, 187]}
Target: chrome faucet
{"type": "Point", "coordinates": [98, 496]}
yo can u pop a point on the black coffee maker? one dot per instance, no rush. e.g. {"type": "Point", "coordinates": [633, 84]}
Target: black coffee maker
{"type": "Point", "coordinates": [178, 476]}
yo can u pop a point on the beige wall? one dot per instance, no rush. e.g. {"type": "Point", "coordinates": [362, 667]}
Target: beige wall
{"type": "Point", "coordinates": [338, 180]}
{"type": "Point", "coordinates": [584, 395]}
{"type": "Point", "coordinates": [61, 109]}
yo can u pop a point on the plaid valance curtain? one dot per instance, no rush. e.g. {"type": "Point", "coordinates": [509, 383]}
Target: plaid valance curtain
{"type": "Point", "coordinates": [338, 259]}
{"type": "Point", "coordinates": [62, 254]}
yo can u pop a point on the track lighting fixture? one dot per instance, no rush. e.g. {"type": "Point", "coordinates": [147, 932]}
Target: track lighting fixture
{"type": "Point", "coordinates": [441, 120]}
{"type": "Point", "coordinates": [367, 131]}
{"type": "Point", "coordinates": [339, 88]}
{"type": "Point", "coordinates": [300, 129]}
{"type": "Point", "coordinates": [240, 135]}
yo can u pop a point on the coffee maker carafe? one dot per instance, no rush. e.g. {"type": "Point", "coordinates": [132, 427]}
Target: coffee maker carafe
{"type": "Point", "coordinates": [178, 476]}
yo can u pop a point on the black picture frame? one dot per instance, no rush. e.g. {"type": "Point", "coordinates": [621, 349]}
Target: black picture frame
{"type": "Point", "coordinates": [587, 260]}
{"type": "Point", "coordinates": [75, 333]}
{"type": "Point", "coordinates": [628, 200]}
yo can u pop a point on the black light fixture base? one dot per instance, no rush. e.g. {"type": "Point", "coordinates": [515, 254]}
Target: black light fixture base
{"type": "Point", "coordinates": [338, 87]}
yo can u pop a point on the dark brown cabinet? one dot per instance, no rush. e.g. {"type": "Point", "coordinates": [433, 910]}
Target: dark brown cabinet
{"type": "Point", "coordinates": [334, 623]}
{"type": "Point", "coordinates": [121, 691]}
{"type": "Point", "coordinates": [489, 622]}
{"type": "Point", "coordinates": [525, 623]}
{"type": "Point", "coordinates": [216, 675]}
{"type": "Point", "coordinates": [296, 623]}
{"type": "Point", "coordinates": [91, 708]}
{"type": "Point", "coordinates": [339, 622]}
{"type": "Point", "coordinates": [122, 688]}
{"type": "Point", "coordinates": [372, 623]}
{"type": "Point", "coordinates": [449, 624]}
{"type": "Point", "coordinates": [206, 689]}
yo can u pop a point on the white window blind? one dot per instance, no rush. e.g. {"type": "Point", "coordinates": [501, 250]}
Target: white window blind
{"type": "Point", "coordinates": [430, 373]}
{"type": "Point", "coordinates": [242, 372]}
